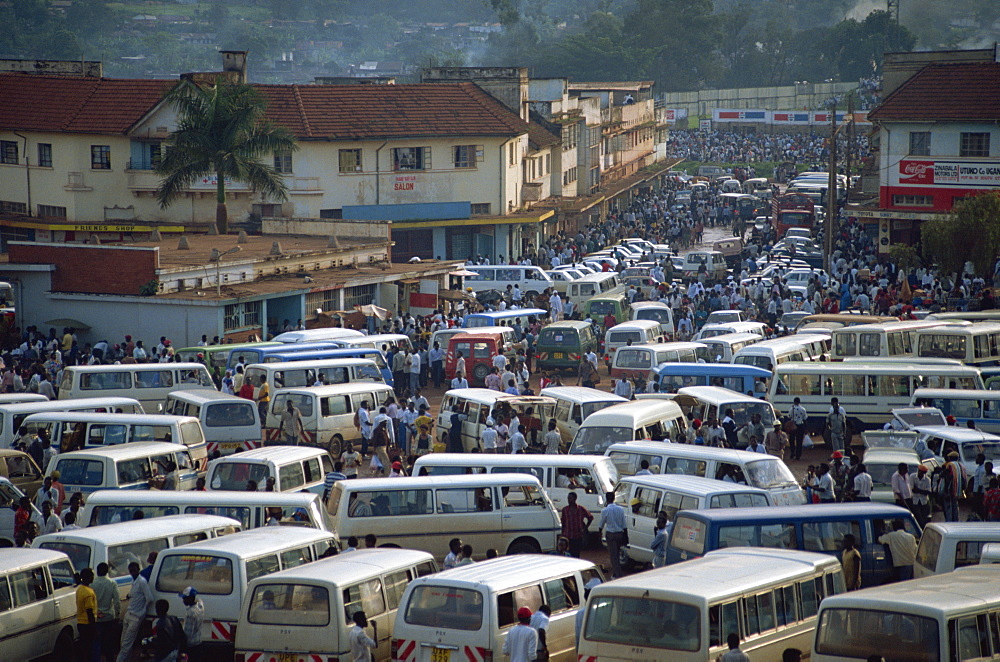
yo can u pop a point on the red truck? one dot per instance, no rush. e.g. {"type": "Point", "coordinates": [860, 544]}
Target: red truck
{"type": "Point", "coordinates": [792, 210]}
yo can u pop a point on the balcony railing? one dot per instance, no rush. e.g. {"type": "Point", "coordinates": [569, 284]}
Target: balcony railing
{"type": "Point", "coordinates": [142, 164]}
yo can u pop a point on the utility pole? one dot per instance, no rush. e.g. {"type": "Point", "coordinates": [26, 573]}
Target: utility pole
{"type": "Point", "coordinates": [850, 138]}
{"type": "Point", "coordinates": [831, 194]}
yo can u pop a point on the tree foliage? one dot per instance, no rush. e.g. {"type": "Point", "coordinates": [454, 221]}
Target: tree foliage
{"type": "Point", "coordinates": [970, 233]}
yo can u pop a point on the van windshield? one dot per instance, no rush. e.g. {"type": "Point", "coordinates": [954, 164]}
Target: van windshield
{"type": "Point", "coordinates": [595, 440]}
{"type": "Point", "coordinates": [606, 308]}
{"type": "Point", "coordinates": [236, 475]}
{"type": "Point", "coordinates": [445, 607]}
{"type": "Point", "coordinates": [861, 633]}
{"type": "Point", "coordinates": [229, 413]}
{"type": "Point", "coordinates": [78, 553]}
{"type": "Point", "coordinates": [769, 473]}
{"type": "Point", "coordinates": [634, 621]}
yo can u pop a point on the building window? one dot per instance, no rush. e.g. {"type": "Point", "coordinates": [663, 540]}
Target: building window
{"type": "Point", "coordinates": [326, 301]}
{"type": "Point", "coordinates": [359, 295]}
{"type": "Point", "coordinates": [467, 156]}
{"type": "Point", "coordinates": [974, 144]}
{"type": "Point", "coordinates": [100, 157]}
{"type": "Point", "coordinates": [331, 213]}
{"type": "Point", "coordinates": [913, 200]}
{"type": "Point", "coordinates": [51, 211]}
{"type": "Point", "coordinates": [411, 158]}
{"type": "Point", "coordinates": [8, 207]}
{"type": "Point", "coordinates": [481, 208]}
{"type": "Point", "coordinates": [45, 155]}
{"type": "Point", "coordinates": [920, 143]}
{"type": "Point", "coordinates": [267, 210]}
{"type": "Point", "coordinates": [243, 315]}
{"type": "Point", "coordinates": [283, 162]}
{"type": "Point", "coordinates": [570, 175]}
{"type": "Point", "coordinates": [512, 159]}
{"type": "Point", "coordinates": [350, 160]}
{"type": "Point", "coordinates": [8, 152]}
{"type": "Point", "coordinates": [548, 164]}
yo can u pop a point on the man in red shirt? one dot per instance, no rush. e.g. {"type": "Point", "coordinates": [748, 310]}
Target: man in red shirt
{"type": "Point", "coordinates": [575, 520]}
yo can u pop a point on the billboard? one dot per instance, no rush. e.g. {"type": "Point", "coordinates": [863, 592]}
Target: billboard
{"type": "Point", "coordinates": [924, 172]}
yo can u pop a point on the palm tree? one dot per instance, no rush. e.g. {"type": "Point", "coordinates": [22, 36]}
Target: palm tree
{"type": "Point", "coordinates": [221, 131]}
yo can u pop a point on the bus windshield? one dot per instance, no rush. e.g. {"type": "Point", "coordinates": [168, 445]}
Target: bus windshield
{"type": "Point", "coordinates": [860, 633]}
{"type": "Point", "coordinates": [637, 621]}
{"type": "Point", "coordinates": [769, 473]}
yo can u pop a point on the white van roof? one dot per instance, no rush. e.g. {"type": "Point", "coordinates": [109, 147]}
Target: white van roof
{"type": "Point", "coordinates": [332, 389]}
{"type": "Point", "coordinates": [123, 419]}
{"type": "Point", "coordinates": [21, 557]}
{"type": "Point", "coordinates": [508, 460]}
{"type": "Point", "coordinates": [308, 335]}
{"type": "Point", "coordinates": [277, 454]}
{"type": "Point", "coordinates": [128, 451]}
{"type": "Point", "coordinates": [62, 405]}
{"type": "Point", "coordinates": [508, 572]}
{"type": "Point", "coordinates": [204, 395]}
{"type": "Point", "coordinates": [430, 482]}
{"type": "Point", "coordinates": [141, 367]}
{"type": "Point", "coordinates": [637, 409]}
{"type": "Point", "coordinates": [349, 568]}
{"type": "Point", "coordinates": [691, 484]}
{"type": "Point", "coordinates": [491, 396]}
{"type": "Point", "coordinates": [716, 394]}
{"type": "Point", "coordinates": [634, 324]}
{"type": "Point", "coordinates": [213, 499]}
{"type": "Point", "coordinates": [140, 529]}
{"type": "Point", "coordinates": [580, 394]}
{"type": "Point", "coordinates": [305, 365]}
{"type": "Point", "coordinates": [969, 530]}
{"type": "Point", "coordinates": [684, 450]}
{"type": "Point", "coordinates": [253, 542]}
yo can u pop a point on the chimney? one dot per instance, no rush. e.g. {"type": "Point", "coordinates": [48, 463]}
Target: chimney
{"type": "Point", "coordinates": [235, 61]}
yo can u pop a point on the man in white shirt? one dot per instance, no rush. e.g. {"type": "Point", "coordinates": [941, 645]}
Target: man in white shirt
{"type": "Point", "coordinates": [489, 437]}
{"type": "Point", "coordinates": [863, 484]}
{"type": "Point", "coordinates": [361, 643]}
{"type": "Point", "coordinates": [517, 441]}
{"type": "Point", "coordinates": [454, 554]}
{"type": "Point", "coordinates": [459, 381]}
{"type": "Point", "coordinates": [139, 599]}
{"type": "Point", "coordinates": [521, 644]}
{"type": "Point", "coordinates": [415, 367]}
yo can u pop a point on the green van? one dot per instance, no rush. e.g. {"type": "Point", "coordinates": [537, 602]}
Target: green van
{"type": "Point", "coordinates": [561, 345]}
{"type": "Point", "coordinates": [615, 303]}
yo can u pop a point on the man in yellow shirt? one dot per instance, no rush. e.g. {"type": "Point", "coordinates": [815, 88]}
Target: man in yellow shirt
{"type": "Point", "coordinates": [424, 419]}
{"type": "Point", "coordinates": [263, 399]}
{"type": "Point", "coordinates": [86, 614]}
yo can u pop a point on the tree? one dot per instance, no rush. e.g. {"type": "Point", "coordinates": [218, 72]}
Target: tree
{"type": "Point", "coordinates": [970, 233]}
{"type": "Point", "coordinates": [221, 131]}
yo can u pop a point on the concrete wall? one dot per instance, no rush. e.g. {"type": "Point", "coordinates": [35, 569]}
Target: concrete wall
{"type": "Point", "coordinates": [806, 96]}
{"type": "Point", "coordinates": [322, 227]}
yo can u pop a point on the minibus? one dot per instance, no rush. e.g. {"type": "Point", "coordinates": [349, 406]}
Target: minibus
{"type": "Point", "coordinates": [845, 319]}
{"type": "Point", "coordinates": [741, 467]}
{"type": "Point", "coordinates": [982, 407]}
{"type": "Point", "coordinates": [561, 278]}
{"type": "Point", "coordinates": [613, 303]}
{"type": "Point", "coordinates": [658, 312]}
{"type": "Point", "coordinates": [251, 509]}
{"type": "Point", "coordinates": [507, 512]}
{"type": "Point", "coordinates": [37, 604]}
{"type": "Point", "coordinates": [70, 431]}
{"type": "Point", "coordinates": [531, 280]}
{"type": "Point", "coordinates": [589, 476]}
{"type": "Point", "coordinates": [149, 383]}
{"type": "Point", "coordinates": [945, 546]}
{"type": "Point", "coordinates": [294, 469]}
{"type": "Point", "coordinates": [769, 598]}
{"type": "Point", "coordinates": [475, 405]}
{"type": "Point", "coordinates": [973, 344]}
{"type": "Point", "coordinates": [277, 351]}
{"type": "Point", "coordinates": [932, 619]}
{"type": "Point", "coordinates": [12, 415]}
{"type": "Point", "coordinates": [466, 613]}
{"type": "Point", "coordinates": [636, 361]}
{"type": "Point", "coordinates": [230, 423]}
{"type": "Point", "coordinates": [642, 419]}
{"type": "Point", "coordinates": [477, 350]}
{"type": "Point", "coordinates": [288, 374]}
{"type": "Point", "coordinates": [591, 286]}
{"type": "Point", "coordinates": [315, 335]}
{"type": "Point", "coordinates": [306, 612]}
{"type": "Point", "coordinates": [132, 541]}
{"type": "Point", "coordinates": [338, 353]}
{"type": "Point", "coordinates": [722, 349]}
{"type": "Point", "coordinates": [574, 404]}
{"type": "Point", "coordinates": [640, 332]}
{"type": "Point", "coordinates": [502, 317]}
{"type": "Point", "coordinates": [382, 341]}
{"type": "Point", "coordinates": [668, 494]}
{"type": "Point", "coordinates": [812, 528]}
{"type": "Point", "coordinates": [735, 377]}
{"type": "Point", "coordinates": [708, 402]}
{"type": "Point", "coordinates": [723, 328]}
{"type": "Point", "coordinates": [942, 440]}
{"type": "Point", "coordinates": [886, 339]}
{"type": "Point", "coordinates": [561, 345]}
{"type": "Point", "coordinates": [769, 353]}
{"type": "Point", "coordinates": [123, 467]}
{"type": "Point", "coordinates": [713, 261]}
{"type": "Point", "coordinates": [216, 357]}
{"type": "Point", "coordinates": [220, 570]}
{"type": "Point", "coordinates": [866, 390]}
{"type": "Point", "coordinates": [967, 316]}
{"type": "Point", "coordinates": [327, 412]}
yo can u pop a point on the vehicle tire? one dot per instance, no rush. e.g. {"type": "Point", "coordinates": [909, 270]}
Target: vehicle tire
{"type": "Point", "coordinates": [336, 446]}
{"type": "Point", "coordinates": [480, 372]}
{"type": "Point", "coordinates": [524, 546]}
{"type": "Point", "coordinates": [64, 648]}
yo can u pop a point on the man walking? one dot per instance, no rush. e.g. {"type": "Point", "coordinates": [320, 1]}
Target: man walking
{"type": "Point", "coordinates": [799, 416]}
{"type": "Point", "coordinates": [109, 608]}
{"type": "Point", "coordinates": [86, 617]}
{"type": "Point", "coordinates": [613, 523]}
{"type": "Point", "coordinates": [775, 441]}
{"type": "Point", "coordinates": [292, 427]}
{"type": "Point", "coordinates": [139, 597]}
{"type": "Point", "coordinates": [521, 644]}
{"type": "Point", "coordinates": [361, 643]}
{"type": "Point", "coordinates": [903, 547]}
{"type": "Point", "coordinates": [836, 425]}
{"type": "Point", "coordinates": [194, 614]}
{"type": "Point", "coordinates": [575, 521]}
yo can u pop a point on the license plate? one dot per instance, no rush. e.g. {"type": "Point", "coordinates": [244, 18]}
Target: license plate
{"type": "Point", "coordinates": [441, 655]}
{"type": "Point", "coordinates": [287, 657]}
{"type": "Point", "coordinates": [557, 355]}
{"type": "Point", "coordinates": [230, 445]}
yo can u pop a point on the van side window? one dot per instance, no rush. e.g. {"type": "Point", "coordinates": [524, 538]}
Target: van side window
{"type": "Point", "coordinates": [395, 584]}
{"type": "Point", "coordinates": [466, 500]}
{"type": "Point", "coordinates": [425, 569]}
{"type": "Point", "coordinates": [133, 471]}
{"type": "Point", "coordinates": [335, 405]}
{"type": "Point", "coordinates": [676, 465]}
{"type": "Point", "coordinates": [61, 573]}
{"type": "Point", "coordinates": [312, 470]}
{"type": "Point", "coordinates": [154, 379]}
{"type": "Point", "coordinates": [5, 602]}
{"type": "Point", "coordinates": [291, 476]}
{"type": "Point", "coordinates": [650, 499]}
{"type": "Point", "coordinates": [523, 495]}
{"type": "Point", "coordinates": [509, 603]}
{"type": "Point", "coordinates": [264, 565]}
{"type": "Point", "coordinates": [562, 594]}
{"type": "Point", "coordinates": [727, 616]}
{"type": "Point", "coordinates": [365, 596]}
{"type": "Point", "coordinates": [29, 586]}
{"type": "Point", "coordinates": [809, 599]}
{"type": "Point", "coordinates": [119, 556]}
{"type": "Point", "coordinates": [734, 471]}
{"type": "Point", "coordinates": [828, 536]}
{"type": "Point", "coordinates": [187, 538]}
{"type": "Point", "coordinates": [785, 605]}
{"type": "Point", "coordinates": [296, 557]}
{"type": "Point", "coordinates": [226, 414]}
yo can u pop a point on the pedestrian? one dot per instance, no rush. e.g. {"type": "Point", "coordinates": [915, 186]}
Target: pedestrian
{"type": "Point", "coordinates": [851, 563]}
{"type": "Point", "coordinates": [194, 615]}
{"type": "Point", "coordinates": [552, 439]}
{"type": "Point", "coordinates": [466, 558]}
{"type": "Point", "coordinates": [454, 554]}
{"type": "Point", "coordinates": [332, 477]}
{"type": "Point", "coordinates": [775, 441]}
{"type": "Point", "coordinates": [361, 643]}
{"type": "Point", "coordinates": [86, 617]}
{"type": "Point", "coordinates": [575, 523]}
{"type": "Point", "coordinates": [350, 461]}
{"type": "Point", "coordinates": [734, 654]}
{"type": "Point", "coordinates": [613, 523]}
{"type": "Point", "coordinates": [991, 501]}
{"type": "Point", "coordinates": [263, 397]}
{"type": "Point", "coordinates": [791, 655]}
{"type": "Point", "coordinates": [920, 488]}
{"type": "Point", "coordinates": [436, 357]}
{"type": "Point", "coordinates": [978, 486]}
{"type": "Point", "coordinates": [900, 482]}
{"type": "Point", "coordinates": [518, 443]}
{"type": "Point", "coordinates": [661, 536]}
{"type": "Point", "coordinates": [109, 609]}
{"type": "Point", "coordinates": [521, 644]}
{"type": "Point", "coordinates": [836, 425]}
{"type": "Point", "coordinates": [168, 634]}
{"type": "Point", "coordinates": [540, 623]}
{"type": "Point", "coordinates": [139, 598]}
{"type": "Point", "coordinates": [292, 428]}
{"type": "Point", "coordinates": [823, 484]}
{"type": "Point", "coordinates": [863, 484]}
{"type": "Point", "coordinates": [903, 548]}
{"type": "Point", "coordinates": [951, 486]}
{"type": "Point", "coordinates": [489, 437]}
{"type": "Point", "coordinates": [798, 415]}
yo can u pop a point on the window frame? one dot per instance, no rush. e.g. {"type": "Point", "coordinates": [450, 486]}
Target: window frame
{"type": "Point", "coordinates": [355, 164]}
{"type": "Point", "coordinates": [100, 157]}
{"type": "Point", "coordinates": [974, 144]}
{"type": "Point", "coordinates": [9, 152]}
{"type": "Point", "coordinates": [466, 157]}
{"type": "Point", "coordinates": [421, 159]}
{"type": "Point", "coordinates": [920, 143]}
{"type": "Point", "coordinates": [283, 161]}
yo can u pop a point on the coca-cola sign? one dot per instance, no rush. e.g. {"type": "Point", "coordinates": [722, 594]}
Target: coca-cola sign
{"type": "Point", "coordinates": [916, 172]}
{"type": "Point", "coordinates": [971, 174]}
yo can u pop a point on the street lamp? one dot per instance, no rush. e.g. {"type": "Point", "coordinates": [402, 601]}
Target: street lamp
{"type": "Point", "coordinates": [217, 258]}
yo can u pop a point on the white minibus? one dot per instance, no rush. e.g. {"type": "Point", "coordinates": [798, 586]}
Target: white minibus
{"type": "Point", "coordinates": [574, 404]}
{"type": "Point", "coordinates": [637, 360]}
{"type": "Point", "coordinates": [945, 546]}
{"type": "Point", "coordinates": [932, 619]}
{"type": "Point", "coordinates": [125, 542]}
{"type": "Point", "coordinates": [229, 422]}
{"type": "Point", "coordinates": [381, 342]}
{"type": "Point", "coordinates": [722, 349]}
{"type": "Point", "coordinates": [13, 415]}
{"type": "Point", "coordinates": [658, 312]}
{"type": "Point", "coordinates": [316, 335]}
{"type": "Point", "coordinates": [475, 405]}
{"type": "Point", "coordinates": [14, 398]}
{"type": "Point", "coordinates": [590, 286]}
{"type": "Point", "coordinates": [290, 374]}
{"type": "Point", "coordinates": [980, 407]}
{"type": "Point", "coordinates": [741, 467]}
{"type": "Point", "coordinates": [306, 612]}
{"type": "Point", "coordinates": [251, 509]}
{"type": "Point", "coordinates": [943, 439]}
{"type": "Point", "coordinates": [708, 402]}
{"type": "Point", "coordinates": [327, 412]}
{"type": "Point", "coordinates": [507, 512]}
{"type": "Point", "coordinates": [123, 467]}
{"type": "Point", "coordinates": [220, 570]}
{"type": "Point", "coordinates": [769, 598]}
{"type": "Point", "coordinates": [149, 383]}
{"type": "Point", "coordinates": [293, 468]}
{"type": "Point", "coordinates": [590, 477]}
{"type": "Point", "coordinates": [531, 280]}
{"type": "Point", "coordinates": [769, 353]}
{"type": "Point", "coordinates": [37, 604]}
{"type": "Point", "coordinates": [638, 332]}
{"type": "Point", "coordinates": [466, 613]}
{"type": "Point", "coordinates": [973, 344]}
{"type": "Point", "coordinates": [657, 494]}
{"type": "Point", "coordinates": [724, 328]}
{"type": "Point", "coordinates": [866, 390]}
{"type": "Point", "coordinates": [885, 339]}
{"type": "Point", "coordinates": [642, 419]}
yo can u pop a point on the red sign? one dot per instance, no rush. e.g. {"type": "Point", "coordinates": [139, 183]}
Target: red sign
{"type": "Point", "coordinates": [916, 172]}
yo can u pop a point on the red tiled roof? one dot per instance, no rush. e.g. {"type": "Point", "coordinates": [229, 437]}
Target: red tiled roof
{"type": "Point", "coordinates": [75, 104]}
{"type": "Point", "coordinates": [945, 92]}
{"type": "Point", "coordinates": [539, 136]}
